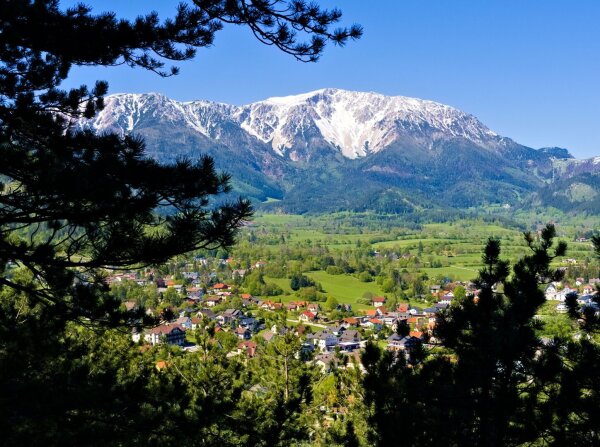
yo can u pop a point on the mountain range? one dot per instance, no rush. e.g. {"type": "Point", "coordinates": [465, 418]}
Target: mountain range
{"type": "Point", "coordinates": [332, 150]}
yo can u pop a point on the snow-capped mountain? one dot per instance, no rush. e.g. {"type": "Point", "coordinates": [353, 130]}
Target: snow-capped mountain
{"type": "Point", "coordinates": [337, 149]}
{"type": "Point", "coordinates": [354, 123]}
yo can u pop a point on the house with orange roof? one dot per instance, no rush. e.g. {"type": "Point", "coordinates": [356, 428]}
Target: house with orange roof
{"type": "Point", "coordinates": [402, 307]}
{"type": "Point", "coordinates": [416, 334]}
{"type": "Point", "coordinates": [350, 321]}
{"type": "Point", "coordinates": [248, 347]}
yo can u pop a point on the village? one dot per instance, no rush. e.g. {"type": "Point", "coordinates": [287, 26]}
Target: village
{"type": "Point", "coordinates": [327, 332]}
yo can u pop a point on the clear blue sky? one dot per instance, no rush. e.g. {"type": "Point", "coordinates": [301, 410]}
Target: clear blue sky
{"type": "Point", "coordinates": [529, 69]}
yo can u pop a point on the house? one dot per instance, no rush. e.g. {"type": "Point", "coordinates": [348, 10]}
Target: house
{"type": "Point", "coordinates": [325, 340]}
{"type": "Point", "coordinates": [349, 340]}
{"type": "Point", "coordinates": [248, 347]}
{"type": "Point", "coordinates": [337, 331]}
{"type": "Point", "coordinates": [196, 322]}
{"type": "Point", "coordinates": [587, 289]}
{"type": "Point", "coordinates": [373, 323]}
{"type": "Point", "coordinates": [398, 343]}
{"type": "Point", "coordinates": [390, 319]}
{"type": "Point", "coordinates": [292, 307]}
{"type": "Point", "coordinates": [585, 300]}
{"type": "Point", "coordinates": [270, 305]}
{"type": "Point", "coordinates": [447, 298]}
{"type": "Point", "coordinates": [220, 287]}
{"type": "Point", "coordinates": [350, 322]}
{"type": "Point", "coordinates": [416, 334]}
{"type": "Point", "coordinates": [212, 301]}
{"type": "Point", "coordinates": [378, 301]}
{"type": "Point", "coordinates": [172, 334]}
{"type": "Point", "coordinates": [307, 316]}
{"type": "Point", "coordinates": [268, 336]}
{"type": "Point", "coordinates": [313, 307]}
{"type": "Point", "coordinates": [248, 300]}
{"type": "Point", "coordinates": [434, 289]}
{"type": "Point", "coordinates": [206, 313]}
{"type": "Point", "coordinates": [300, 330]}
{"type": "Point", "coordinates": [130, 305]}
{"type": "Point", "coordinates": [248, 322]}
{"type": "Point", "coordinates": [394, 342]}
{"type": "Point", "coordinates": [562, 295]}
{"type": "Point", "coordinates": [402, 307]}
{"type": "Point", "coordinates": [265, 304]}
{"type": "Point", "coordinates": [430, 311]}
{"type": "Point", "coordinates": [243, 333]}
{"type": "Point", "coordinates": [184, 322]}
{"type": "Point", "coordinates": [229, 316]}
{"type": "Point", "coordinates": [415, 310]}
{"type": "Point", "coordinates": [371, 313]}
{"type": "Point", "coordinates": [326, 361]}
{"type": "Point", "coordinates": [550, 292]}
{"type": "Point", "coordinates": [350, 335]}
{"type": "Point", "coordinates": [382, 310]}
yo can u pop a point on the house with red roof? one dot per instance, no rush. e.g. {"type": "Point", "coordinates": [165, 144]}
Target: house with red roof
{"type": "Point", "coordinates": [307, 316]}
{"type": "Point", "coordinates": [220, 287]}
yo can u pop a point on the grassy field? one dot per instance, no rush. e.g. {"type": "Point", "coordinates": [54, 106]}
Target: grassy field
{"type": "Point", "coordinates": [344, 288]}
{"type": "Point", "coordinates": [441, 250]}
{"type": "Point", "coordinates": [454, 272]}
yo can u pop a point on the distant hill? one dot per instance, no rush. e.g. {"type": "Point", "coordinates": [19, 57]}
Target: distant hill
{"type": "Point", "coordinates": [332, 149]}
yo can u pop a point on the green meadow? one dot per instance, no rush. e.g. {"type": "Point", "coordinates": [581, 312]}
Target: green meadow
{"type": "Point", "coordinates": [451, 250]}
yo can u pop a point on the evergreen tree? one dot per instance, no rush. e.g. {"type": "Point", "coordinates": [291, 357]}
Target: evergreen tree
{"type": "Point", "coordinates": [74, 204]}
{"type": "Point", "coordinates": [489, 386]}
{"type": "Point", "coordinates": [278, 411]}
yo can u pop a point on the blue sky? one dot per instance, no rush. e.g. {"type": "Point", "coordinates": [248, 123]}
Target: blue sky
{"type": "Point", "coordinates": [529, 69]}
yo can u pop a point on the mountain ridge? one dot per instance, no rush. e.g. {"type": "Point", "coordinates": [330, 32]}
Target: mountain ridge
{"type": "Point", "coordinates": [395, 146]}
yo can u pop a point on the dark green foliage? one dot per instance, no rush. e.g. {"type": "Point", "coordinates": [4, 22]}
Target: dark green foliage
{"type": "Point", "coordinates": [298, 281]}
{"type": "Point", "coordinates": [577, 193]}
{"type": "Point", "coordinates": [74, 204]}
{"type": "Point", "coordinates": [495, 383]}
